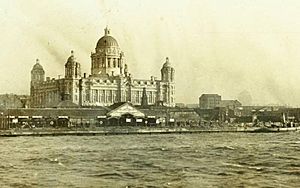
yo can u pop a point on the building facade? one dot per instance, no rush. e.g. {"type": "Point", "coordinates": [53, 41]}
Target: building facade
{"type": "Point", "coordinates": [230, 104]}
{"type": "Point", "coordinates": [209, 101]}
{"type": "Point", "coordinates": [109, 82]}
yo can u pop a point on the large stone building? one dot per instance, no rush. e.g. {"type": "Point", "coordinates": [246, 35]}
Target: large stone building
{"type": "Point", "coordinates": [109, 82]}
{"type": "Point", "coordinates": [209, 101]}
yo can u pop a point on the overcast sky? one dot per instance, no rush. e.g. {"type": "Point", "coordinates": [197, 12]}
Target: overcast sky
{"type": "Point", "coordinates": [216, 46]}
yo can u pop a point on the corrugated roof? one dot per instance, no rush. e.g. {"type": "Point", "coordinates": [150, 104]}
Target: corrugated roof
{"type": "Point", "coordinates": [53, 112]}
{"type": "Point", "coordinates": [67, 104]}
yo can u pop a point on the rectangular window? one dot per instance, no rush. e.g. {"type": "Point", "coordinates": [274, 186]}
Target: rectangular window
{"type": "Point", "coordinates": [96, 96]}
{"type": "Point", "coordinates": [102, 95]}
{"type": "Point", "coordinates": [108, 62]}
{"type": "Point", "coordinates": [103, 62]}
{"type": "Point", "coordinates": [114, 62]}
{"type": "Point", "coordinates": [137, 97]}
{"type": "Point", "coordinates": [114, 93]}
{"type": "Point", "coordinates": [109, 96]}
{"type": "Point", "coordinates": [87, 95]}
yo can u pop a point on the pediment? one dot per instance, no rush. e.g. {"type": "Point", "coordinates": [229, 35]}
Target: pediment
{"type": "Point", "coordinates": [126, 109]}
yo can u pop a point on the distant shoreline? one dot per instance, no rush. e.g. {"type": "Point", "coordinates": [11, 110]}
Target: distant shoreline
{"type": "Point", "coordinates": [136, 131]}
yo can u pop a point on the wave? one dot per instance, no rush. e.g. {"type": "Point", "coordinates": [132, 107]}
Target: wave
{"type": "Point", "coordinates": [257, 168]}
{"type": "Point", "coordinates": [108, 175]}
{"type": "Point", "coordinates": [224, 148]}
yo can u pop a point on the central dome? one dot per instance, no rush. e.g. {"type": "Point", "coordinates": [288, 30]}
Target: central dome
{"type": "Point", "coordinates": [107, 40]}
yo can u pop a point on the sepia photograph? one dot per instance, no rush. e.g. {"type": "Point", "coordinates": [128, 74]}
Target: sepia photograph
{"type": "Point", "coordinates": [149, 93]}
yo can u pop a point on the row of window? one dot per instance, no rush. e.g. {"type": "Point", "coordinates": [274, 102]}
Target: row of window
{"type": "Point", "coordinates": [102, 96]}
{"type": "Point", "coordinates": [110, 96]}
{"type": "Point", "coordinates": [111, 63]}
{"type": "Point", "coordinates": [143, 82]}
{"type": "Point", "coordinates": [71, 72]}
{"type": "Point", "coordinates": [48, 97]}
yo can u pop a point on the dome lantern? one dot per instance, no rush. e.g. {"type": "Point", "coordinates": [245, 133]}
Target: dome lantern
{"type": "Point", "coordinates": [106, 31]}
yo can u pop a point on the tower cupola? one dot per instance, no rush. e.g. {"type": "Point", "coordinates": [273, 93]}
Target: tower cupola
{"type": "Point", "coordinates": [72, 67]}
{"type": "Point", "coordinates": [167, 72]}
{"type": "Point", "coordinates": [37, 73]}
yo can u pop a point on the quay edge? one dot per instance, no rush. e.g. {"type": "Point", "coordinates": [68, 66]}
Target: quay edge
{"type": "Point", "coordinates": [12, 133]}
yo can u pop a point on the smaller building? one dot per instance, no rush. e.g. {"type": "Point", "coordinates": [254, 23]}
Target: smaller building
{"type": "Point", "coordinates": [230, 104]}
{"type": "Point", "coordinates": [118, 114]}
{"type": "Point", "coordinates": [218, 114]}
{"type": "Point", "coordinates": [13, 101]}
{"type": "Point", "coordinates": [209, 101]}
{"type": "Point", "coordinates": [195, 105]}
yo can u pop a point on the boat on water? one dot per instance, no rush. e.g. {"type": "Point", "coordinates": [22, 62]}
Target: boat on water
{"type": "Point", "coordinates": [274, 129]}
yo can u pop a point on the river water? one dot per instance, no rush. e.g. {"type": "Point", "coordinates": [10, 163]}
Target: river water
{"type": "Point", "coordinates": [175, 160]}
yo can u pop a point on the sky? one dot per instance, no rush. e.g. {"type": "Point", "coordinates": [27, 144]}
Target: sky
{"type": "Point", "coordinates": [240, 49]}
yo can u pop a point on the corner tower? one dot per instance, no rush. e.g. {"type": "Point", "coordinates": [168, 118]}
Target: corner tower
{"type": "Point", "coordinates": [72, 67]}
{"type": "Point", "coordinates": [37, 77]}
{"type": "Point", "coordinates": [167, 72]}
{"type": "Point", "coordinates": [167, 93]}
{"type": "Point", "coordinates": [108, 58]}
{"type": "Point", "coordinates": [71, 81]}
{"type": "Point", "coordinates": [37, 73]}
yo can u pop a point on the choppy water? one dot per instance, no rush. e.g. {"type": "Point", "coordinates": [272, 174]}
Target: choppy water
{"type": "Point", "coordinates": [196, 160]}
